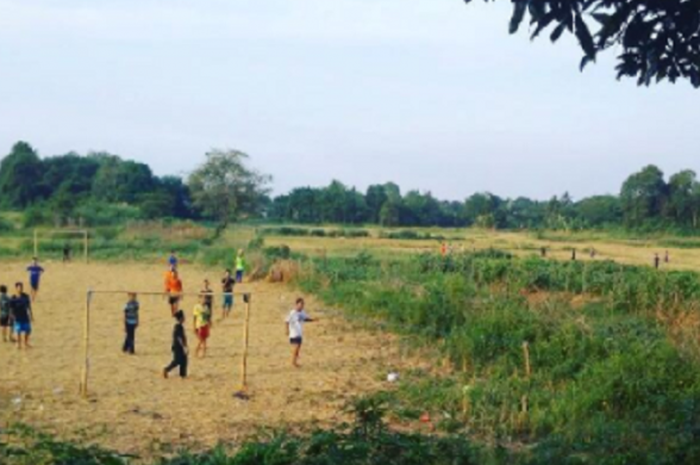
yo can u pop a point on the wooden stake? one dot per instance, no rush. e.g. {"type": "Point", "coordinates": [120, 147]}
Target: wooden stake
{"type": "Point", "coordinates": [87, 246]}
{"type": "Point", "coordinates": [246, 334]}
{"type": "Point", "coordinates": [86, 348]}
{"type": "Point", "coordinates": [526, 353]}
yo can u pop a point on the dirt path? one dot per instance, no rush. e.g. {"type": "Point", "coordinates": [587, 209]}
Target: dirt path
{"type": "Point", "coordinates": [132, 408]}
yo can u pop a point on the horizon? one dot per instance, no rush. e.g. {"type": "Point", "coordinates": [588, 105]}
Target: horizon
{"type": "Point", "coordinates": [437, 97]}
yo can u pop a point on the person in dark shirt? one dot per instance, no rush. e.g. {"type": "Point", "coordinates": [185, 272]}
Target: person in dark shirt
{"type": "Point", "coordinates": [227, 284]}
{"type": "Point", "coordinates": [66, 252]}
{"type": "Point", "coordinates": [573, 254]}
{"type": "Point", "coordinates": [657, 261]}
{"type": "Point", "coordinates": [35, 272]}
{"type": "Point", "coordinates": [6, 322]}
{"type": "Point", "coordinates": [179, 347]}
{"type": "Point", "coordinates": [21, 309]}
{"type": "Point", "coordinates": [131, 322]}
{"type": "Point", "coordinates": [208, 295]}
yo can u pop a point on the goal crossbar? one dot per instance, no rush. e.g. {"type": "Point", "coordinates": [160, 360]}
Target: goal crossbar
{"type": "Point", "coordinates": [56, 232]}
{"type": "Point", "coordinates": [85, 364]}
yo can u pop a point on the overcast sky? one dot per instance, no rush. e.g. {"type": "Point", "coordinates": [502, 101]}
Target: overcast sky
{"type": "Point", "coordinates": [432, 94]}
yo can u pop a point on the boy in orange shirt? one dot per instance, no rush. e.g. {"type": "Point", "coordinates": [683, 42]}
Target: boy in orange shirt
{"type": "Point", "coordinates": [173, 287]}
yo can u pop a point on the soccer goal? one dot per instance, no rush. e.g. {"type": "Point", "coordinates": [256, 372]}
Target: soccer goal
{"type": "Point", "coordinates": [83, 234]}
{"type": "Point", "coordinates": [85, 364]}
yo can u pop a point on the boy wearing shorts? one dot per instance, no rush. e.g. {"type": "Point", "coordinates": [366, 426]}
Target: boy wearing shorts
{"type": "Point", "coordinates": [35, 272]}
{"type": "Point", "coordinates": [202, 325]}
{"type": "Point", "coordinates": [227, 284]}
{"type": "Point", "coordinates": [297, 317]}
{"type": "Point", "coordinates": [240, 266]}
{"type": "Point", "coordinates": [21, 308]}
{"type": "Point", "coordinates": [173, 288]}
{"type": "Point", "coordinates": [6, 322]}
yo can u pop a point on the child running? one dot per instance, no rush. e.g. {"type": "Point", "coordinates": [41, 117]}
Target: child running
{"type": "Point", "coordinates": [172, 260]}
{"type": "Point", "coordinates": [35, 272]}
{"type": "Point", "coordinates": [21, 308]}
{"type": "Point", "coordinates": [131, 322]}
{"type": "Point", "coordinates": [240, 266]}
{"type": "Point", "coordinates": [227, 284]}
{"type": "Point", "coordinates": [179, 347]}
{"type": "Point", "coordinates": [202, 325]}
{"type": "Point", "coordinates": [173, 288]}
{"type": "Point", "coordinates": [297, 317]}
{"type": "Point", "coordinates": [6, 322]}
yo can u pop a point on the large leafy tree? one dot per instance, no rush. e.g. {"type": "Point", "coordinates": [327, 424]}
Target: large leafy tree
{"type": "Point", "coordinates": [20, 177]}
{"type": "Point", "coordinates": [225, 188]}
{"type": "Point", "coordinates": [658, 39]}
{"type": "Point", "coordinates": [643, 196]}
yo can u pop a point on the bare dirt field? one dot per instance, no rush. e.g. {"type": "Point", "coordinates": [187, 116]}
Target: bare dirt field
{"type": "Point", "coordinates": [131, 408]}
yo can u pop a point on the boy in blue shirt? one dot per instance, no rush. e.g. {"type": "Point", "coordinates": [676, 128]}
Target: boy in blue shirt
{"type": "Point", "coordinates": [35, 272]}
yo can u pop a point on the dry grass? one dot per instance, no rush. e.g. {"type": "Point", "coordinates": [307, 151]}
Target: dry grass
{"type": "Point", "coordinates": [632, 252]}
{"type": "Point", "coordinates": [132, 409]}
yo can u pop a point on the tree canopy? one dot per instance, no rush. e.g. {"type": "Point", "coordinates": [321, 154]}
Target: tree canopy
{"type": "Point", "coordinates": [102, 188]}
{"type": "Point", "coordinates": [659, 39]}
{"type": "Point", "coordinates": [224, 187]}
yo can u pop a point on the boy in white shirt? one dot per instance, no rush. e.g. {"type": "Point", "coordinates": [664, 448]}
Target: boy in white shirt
{"type": "Point", "coordinates": [295, 321]}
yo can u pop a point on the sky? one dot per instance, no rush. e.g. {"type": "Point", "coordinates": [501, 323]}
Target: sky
{"type": "Point", "coordinates": [434, 95]}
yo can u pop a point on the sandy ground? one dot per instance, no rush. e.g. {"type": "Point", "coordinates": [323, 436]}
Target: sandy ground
{"type": "Point", "coordinates": [131, 408]}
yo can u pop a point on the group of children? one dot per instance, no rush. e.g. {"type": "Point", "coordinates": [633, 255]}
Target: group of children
{"type": "Point", "coordinates": [16, 316]}
{"type": "Point", "coordinates": [203, 316]}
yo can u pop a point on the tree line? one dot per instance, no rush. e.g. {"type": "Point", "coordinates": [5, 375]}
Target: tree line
{"type": "Point", "coordinates": [102, 188]}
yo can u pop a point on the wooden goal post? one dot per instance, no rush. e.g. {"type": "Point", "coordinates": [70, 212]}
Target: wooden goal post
{"type": "Point", "coordinates": [68, 232]}
{"type": "Point", "coordinates": [85, 362]}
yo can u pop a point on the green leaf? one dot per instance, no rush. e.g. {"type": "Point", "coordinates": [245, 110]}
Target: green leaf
{"type": "Point", "coordinates": [557, 32]}
{"type": "Point", "coordinates": [584, 37]}
{"type": "Point", "coordinates": [518, 14]}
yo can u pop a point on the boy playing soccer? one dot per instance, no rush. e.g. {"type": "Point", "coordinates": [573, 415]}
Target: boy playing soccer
{"type": "Point", "coordinates": [5, 317]}
{"type": "Point", "coordinates": [179, 347]}
{"type": "Point", "coordinates": [202, 325]}
{"type": "Point", "coordinates": [297, 317]}
{"type": "Point", "coordinates": [227, 284]}
{"type": "Point", "coordinates": [173, 287]}
{"type": "Point", "coordinates": [172, 260]}
{"type": "Point", "coordinates": [35, 272]}
{"type": "Point", "coordinates": [240, 266]}
{"type": "Point", "coordinates": [208, 295]}
{"type": "Point", "coordinates": [131, 322]}
{"type": "Point", "coordinates": [21, 308]}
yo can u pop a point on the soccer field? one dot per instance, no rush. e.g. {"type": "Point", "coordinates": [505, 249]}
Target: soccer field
{"type": "Point", "coordinates": [132, 408]}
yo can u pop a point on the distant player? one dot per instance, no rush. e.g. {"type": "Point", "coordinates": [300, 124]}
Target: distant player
{"type": "Point", "coordinates": [202, 325]}
{"type": "Point", "coordinates": [208, 295]}
{"type": "Point", "coordinates": [6, 321]}
{"type": "Point", "coordinates": [297, 317]}
{"type": "Point", "coordinates": [179, 347]}
{"type": "Point", "coordinates": [131, 322]}
{"type": "Point", "coordinates": [543, 252]}
{"type": "Point", "coordinates": [173, 288]}
{"type": "Point", "coordinates": [443, 249]}
{"type": "Point", "coordinates": [21, 308]}
{"type": "Point", "coordinates": [240, 266]}
{"type": "Point", "coordinates": [593, 252]}
{"type": "Point", "coordinates": [667, 257]}
{"type": "Point", "coordinates": [573, 254]}
{"type": "Point", "coordinates": [172, 260]}
{"type": "Point", "coordinates": [227, 284]}
{"type": "Point", "coordinates": [66, 252]}
{"type": "Point", "coordinates": [657, 261]}
{"type": "Point", "coordinates": [35, 272]}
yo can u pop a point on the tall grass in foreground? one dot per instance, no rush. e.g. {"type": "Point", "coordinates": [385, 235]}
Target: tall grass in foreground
{"type": "Point", "coordinates": [598, 381]}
